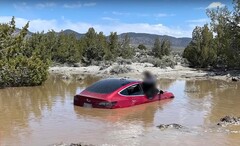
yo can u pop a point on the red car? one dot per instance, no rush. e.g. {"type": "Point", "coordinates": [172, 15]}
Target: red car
{"type": "Point", "coordinates": [116, 93]}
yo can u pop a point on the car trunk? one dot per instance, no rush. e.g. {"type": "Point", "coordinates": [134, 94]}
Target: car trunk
{"type": "Point", "coordinates": [87, 99]}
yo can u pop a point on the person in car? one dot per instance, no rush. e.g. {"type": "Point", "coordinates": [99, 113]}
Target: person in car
{"type": "Point", "coordinates": [149, 85]}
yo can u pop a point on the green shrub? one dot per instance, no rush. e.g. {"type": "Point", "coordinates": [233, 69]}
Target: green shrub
{"type": "Point", "coordinates": [166, 61]}
{"type": "Point", "coordinates": [148, 60]}
{"type": "Point", "coordinates": [20, 63]}
{"type": "Point", "coordinates": [23, 71]}
{"type": "Point", "coordinates": [122, 61]}
{"type": "Point", "coordinates": [119, 69]}
{"type": "Point", "coordinates": [142, 47]}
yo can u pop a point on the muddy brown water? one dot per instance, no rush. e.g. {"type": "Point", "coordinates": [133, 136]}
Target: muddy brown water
{"type": "Point", "coordinates": [45, 115]}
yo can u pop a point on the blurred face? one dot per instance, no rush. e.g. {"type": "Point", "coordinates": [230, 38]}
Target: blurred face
{"type": "Point", "coordinates": [146, 75]}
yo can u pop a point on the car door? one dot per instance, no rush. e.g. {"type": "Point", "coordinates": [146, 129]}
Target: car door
{"type": "Point", "coordinates": [135, 94]}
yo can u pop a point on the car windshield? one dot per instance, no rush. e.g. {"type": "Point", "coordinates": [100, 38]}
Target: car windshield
{"type": "Point", "coordinates": [107, 85]}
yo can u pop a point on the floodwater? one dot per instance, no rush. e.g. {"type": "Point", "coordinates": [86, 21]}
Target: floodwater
{"type": "Point", "coordinates": [45, 115]}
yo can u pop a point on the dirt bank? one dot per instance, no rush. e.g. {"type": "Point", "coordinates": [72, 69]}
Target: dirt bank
{"type": "Point", "coordinates": [135, 70]}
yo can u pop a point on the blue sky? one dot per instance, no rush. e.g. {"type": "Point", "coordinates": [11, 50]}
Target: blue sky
{"type": "Point", "coordinates": [166, 17]}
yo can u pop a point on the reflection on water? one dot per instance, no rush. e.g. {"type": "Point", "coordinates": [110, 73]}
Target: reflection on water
{"type": "Point", "coordinates": [45, 115]}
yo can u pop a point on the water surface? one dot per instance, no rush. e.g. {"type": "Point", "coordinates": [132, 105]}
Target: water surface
{"type": "Point", "coordinates": [46, 115]}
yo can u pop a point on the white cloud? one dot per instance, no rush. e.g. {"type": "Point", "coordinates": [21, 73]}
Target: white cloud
{"type": "Point", "coordinates": [78, 5]}
{"type": "Point", "coordinates": [46, 4]}
{"type": "Point", "coordinates": [198, 22]}
{"type": "Point", "coordinates": [21, 6]}
{"type": "Point", "coordinates": [89, 4]}
{"type": "Point", "coordinates": [81, 27]}
{"type": "Point", "coordinates": [129, 14]}
{"type": "Point", "coordinates": [109, 19]}
{"type": "Point", "coordinates": [203, 20]}
{"type": "Point", "coordinates": [24, 5]}
{"type": "Point", "coordinates": [163, 15]}
{"type": "Point", "coordinates": [215, 5]}
{"type": "Point", "coordinates": [200, 8]}
{"type": "Point", "coordinates": [73, 5]}
{"type": "Point", "coordinates": [147, 28]}
{"type": "Point", "coordinates": [35, 24]}
{"type": "Point", "coordinates": [142, 14]}
{"type": "Point", "coordinates": [120, 13]}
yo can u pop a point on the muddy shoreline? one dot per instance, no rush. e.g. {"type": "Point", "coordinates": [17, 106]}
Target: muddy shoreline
{"type": "Point", "coordinates": [135, 70]}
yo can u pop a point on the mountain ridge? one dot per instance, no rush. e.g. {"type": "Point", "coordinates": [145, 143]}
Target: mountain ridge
{"type": "Point", "coordinates": [143, 38]}
{"type": "Point", "coordinates": [139, 38]}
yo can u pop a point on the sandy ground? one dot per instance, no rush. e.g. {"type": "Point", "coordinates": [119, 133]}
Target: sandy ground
{"type": "Point", "coordinates": [136, 69]}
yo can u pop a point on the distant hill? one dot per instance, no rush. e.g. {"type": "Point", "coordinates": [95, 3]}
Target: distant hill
{"type": "Point", "coordinates": [137, 38]}
{"type": "Point", "coordinates": [144, 38]}
{"type": "Point", "coordinates": [148, 39]}
{"type": "Point", "coordinates": [69, 31]}
{"type": "Point", "coordinates": [17, 31]}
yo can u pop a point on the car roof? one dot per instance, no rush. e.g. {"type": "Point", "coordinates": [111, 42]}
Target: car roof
{"type": "Point", "coordinates": [120, 80]}
{"type": "Point", "coordinates": [109, 85]}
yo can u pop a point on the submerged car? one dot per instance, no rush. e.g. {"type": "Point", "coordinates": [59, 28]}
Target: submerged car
{"type": "Point", "coordinates": [116, 93]}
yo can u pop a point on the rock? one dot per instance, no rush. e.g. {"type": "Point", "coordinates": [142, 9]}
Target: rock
{"type": "Point", "coordinates": [169, 68]}
{"type": "Point", "coordinates": [97, 63]}
{"type": "Point", "coordinates": [105, 72]}
{"type": "Point", "coordinates": [66, 65]}
{"type": "Point", "coordinates": [77, 65]}
{"type": "Point", "coordinates": [211, 74]}
{"type": "Point", "coordinates": [80, 78]}
{"type": "Point", "coordinates": [172, 126]}
{"type": "Point", "coordinates": [104, 67]}
{"type": "Point", "coordinates": [226, 119]}
{"type": "Point", "coordinates": [148, 64]}
{"type": "Point", "coordinates": [66, 77]}
{"type": "Point", "coordinates": [228, 75]}
{"type": "Point", "coordinates": [229, 120]}
{"type": "Point", "coordinates": [80, 144]}
{"type": "Point", "coordinates": [73, 144]}
{"type": "Point", "coordinates": [234, 79]}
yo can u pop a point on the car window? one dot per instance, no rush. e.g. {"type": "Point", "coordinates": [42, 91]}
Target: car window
{"type": "Point", "coordinates": [133, 90]}
{"type": "Point", "coordinates": [107, 85]}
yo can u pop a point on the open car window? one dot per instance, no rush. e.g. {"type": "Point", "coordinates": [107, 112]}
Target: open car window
{"type": "Point", "coordinates": [133, 90]}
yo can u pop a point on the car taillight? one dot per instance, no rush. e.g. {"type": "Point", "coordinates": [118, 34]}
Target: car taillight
{"type": "Point", "coordinates": [107, 104]}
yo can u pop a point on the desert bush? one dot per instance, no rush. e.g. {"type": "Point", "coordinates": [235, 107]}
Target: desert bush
{"type": "Point", "coordinates": [22, 71]}
{"type": "Point", "coordinates": [21, 64]}
{"type": "Point", "coordinates": [148, 60]}
{"type": "Point", "coordinates": [96, 63]}
{"type": "Point", "coordinates": [142, 47]}
{"type": "Point", "coordinates": [184, 62]}
{"type": "Point", "coordinates": [122, 61]}
{"type": "Point", "coordinates": [119, 69]}
{"type": "Point", "coordinates": [135, 59]}
{"type": "Point", "coordinates": [166, 61]}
